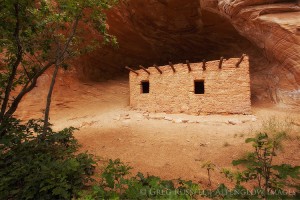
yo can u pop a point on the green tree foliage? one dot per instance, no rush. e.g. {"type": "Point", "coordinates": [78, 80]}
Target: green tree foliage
{"type": "Point", "coordinates": [32, 168]}
{"type": "Point", "coordinates": [35, 35]}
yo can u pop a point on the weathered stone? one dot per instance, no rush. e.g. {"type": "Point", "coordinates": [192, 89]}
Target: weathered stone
{"type": "Point", "coordinates": [168, 118]}
{"type": "Point", "coordinates": [157, 117]}
{"type": "Point", "coordinates": [177, 121]}
{"type": "Point", "coordinates": [185, 121]}
{"type": "Point", "coordinates": [253, 119]}
{"type": "Point", "coordinates": [117, 118]}
{"type": "Point", "coordinates": [234, 121]}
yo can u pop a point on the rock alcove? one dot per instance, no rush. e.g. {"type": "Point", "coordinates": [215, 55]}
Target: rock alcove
{"type": "Point", "coordinates": [159, 31]}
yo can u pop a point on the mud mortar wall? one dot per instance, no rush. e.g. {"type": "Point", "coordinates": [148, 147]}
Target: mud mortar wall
{"type": "Point", "coordinates": [227, 90]}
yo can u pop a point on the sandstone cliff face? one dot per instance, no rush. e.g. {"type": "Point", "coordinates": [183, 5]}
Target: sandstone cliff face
{"type": "Point", "coordinates": [158, 31]}
{"type": "Point", "coordinates": [275, 29]}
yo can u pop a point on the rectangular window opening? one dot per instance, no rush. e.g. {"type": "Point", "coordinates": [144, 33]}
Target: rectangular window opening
{"type": "Point", "coordinates": [199, 87]}
{"type": "Point", "coordinates": [145, 86]}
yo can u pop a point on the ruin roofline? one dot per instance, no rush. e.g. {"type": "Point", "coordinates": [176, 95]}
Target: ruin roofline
{"type": "Point", "coordinates": [222, 63]}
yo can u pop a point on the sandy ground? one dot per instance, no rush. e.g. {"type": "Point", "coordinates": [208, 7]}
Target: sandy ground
{"type": "Point", "coordinates": [171, 146]}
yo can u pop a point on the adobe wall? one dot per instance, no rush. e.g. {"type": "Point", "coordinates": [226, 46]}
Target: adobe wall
{"type": "Point", "coordinates": [227, 90]}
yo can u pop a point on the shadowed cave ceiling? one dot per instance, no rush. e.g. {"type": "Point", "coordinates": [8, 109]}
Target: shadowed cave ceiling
{"type": "Point", "coordinates": [158, 31]}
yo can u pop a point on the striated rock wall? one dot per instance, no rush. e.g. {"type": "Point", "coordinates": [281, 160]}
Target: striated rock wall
{"type": "Point", "coordinates": [159, 31]}
{"type": "Point", "coordinates": [274, 27]}
{"type": "Point", "coordinates": [226, 90]}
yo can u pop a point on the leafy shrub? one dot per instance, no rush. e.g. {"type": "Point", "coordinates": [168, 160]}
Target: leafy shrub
{"type": "Point", "coordinates": [35, 166]}
{"type": "Point", "coordinates": [265, 180]}
{"type": "Point", "coordinates": [269, 180]}
{"type": "Point", "coordinates": [39, 166]}
{"type": "Point", "coordinates": [209, 166]}
{"type": "Point", "coordinates": [116, 184]}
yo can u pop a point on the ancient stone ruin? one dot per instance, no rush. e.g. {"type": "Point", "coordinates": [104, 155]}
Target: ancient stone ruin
{"type": "Point", "coordinates": [221, 86]}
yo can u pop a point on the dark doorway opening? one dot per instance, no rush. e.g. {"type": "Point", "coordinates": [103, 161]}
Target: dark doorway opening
{"type": "Point", "coordinates": [199, 87]}
{"type": "Point", "coordinates": [145, 87]}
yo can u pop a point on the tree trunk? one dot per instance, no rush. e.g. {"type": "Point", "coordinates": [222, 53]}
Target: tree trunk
{"type": "Point", "coordinates": [7, 113]}
{"type": "Point", "coordinates": [9, 87]}
{"type": "Point", "coordinates": [14, 65]}
{"type": "Point", "coordinates": [49, 97]}
{"type": "Point", "coordinates": [209, 181]}
{"type": "Point", "coordinates": [59, 58]}
{"type": "Point", "coordinates": [27, 88]}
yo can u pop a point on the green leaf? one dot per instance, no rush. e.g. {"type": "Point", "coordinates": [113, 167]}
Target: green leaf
{"type": "Point", "coordinates": [286, 170]}
{"type": "Point", "coordinates": [239, 162]}
{"type": "Point", "coordinates": [248, 140]}
{"type": "Point", "coordinates": [60, 192]}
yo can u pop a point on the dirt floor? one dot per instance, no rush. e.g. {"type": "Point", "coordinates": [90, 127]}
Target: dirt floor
{"type": "Point", "coordinates": [170, 146]}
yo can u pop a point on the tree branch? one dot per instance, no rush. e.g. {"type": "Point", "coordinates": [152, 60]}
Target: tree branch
{"type": "Point", "coordinates": [48, 103]}
{"type": "Point", "coordinates": [27, 88]}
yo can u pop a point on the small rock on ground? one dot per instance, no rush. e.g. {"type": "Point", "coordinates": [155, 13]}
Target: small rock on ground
{"type": "Point", "coordinates": [234, 121]}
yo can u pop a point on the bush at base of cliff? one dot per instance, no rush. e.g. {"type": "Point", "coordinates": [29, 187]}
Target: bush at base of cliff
{"type": "Point", "coordinates": [266, 179]}
{"type": "Point", "coordinates": [115, 183]}
{"type": "Point", "coordinates": [35, 167]}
